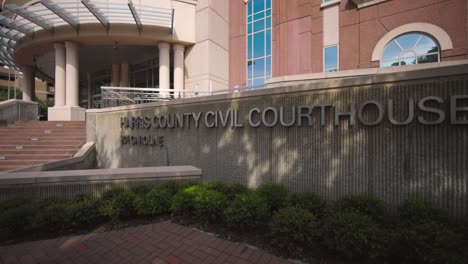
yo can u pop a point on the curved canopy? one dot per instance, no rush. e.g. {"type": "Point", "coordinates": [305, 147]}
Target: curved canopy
{"type": "Point", "coordinates": [48, 14]}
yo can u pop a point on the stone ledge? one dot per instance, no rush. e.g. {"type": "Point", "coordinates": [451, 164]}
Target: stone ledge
{"type": "Point", "coordinates": [75, 176]}
{"type": "Point", "coordinates": [330, 3]}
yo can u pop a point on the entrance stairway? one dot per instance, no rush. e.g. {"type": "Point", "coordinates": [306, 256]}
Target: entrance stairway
{"type": "Point", "coordinates": [28, 143]}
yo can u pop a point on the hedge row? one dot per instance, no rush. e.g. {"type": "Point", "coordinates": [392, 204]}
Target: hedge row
{"type": "Point", "coordinates": [355, 227]}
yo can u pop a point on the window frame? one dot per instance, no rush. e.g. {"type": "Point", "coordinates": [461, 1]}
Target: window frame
{"type": "Point", "coordinates": [337, 58]}
{"type": "Point", "coordinates": [250, 81]}
{"type": "Point", "coordinates": [412, 49]}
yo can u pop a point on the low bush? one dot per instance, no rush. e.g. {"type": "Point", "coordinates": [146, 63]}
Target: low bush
{"type": "Point", "coordinates": [53, 213]}
{"type": "Point", "coordinates": [352, 234]}
{"type": "Point", "coordinates": [12, 203]}
{"type": "Point", "coordinates": [84, 211]}
{"type": "Point", "coordinates": [171, 186]}
{"type": "Point", "coordinates": [117, 204]}
{"type": "Point", "coordinates": [418, 211]}
{"type": "Point", "coordinates": [247, 211]}
{"type": "Point", "coordinates": [428, 242]}
{"type": "Point", "coordinates": [292, 228]}
{"type": "Point", "coordinates": [18, 218]}
{"type": "Point", "coordinates": [153, 203]}
{"type": "Point", "coordinates": [308, 201]}
{"type": "Point", "coordinates": [275, 195]}
{"type": "Point", "coordinates": [210, 205]}
{"type": "Point", "coordinates": [363, 204]}
{"type": "Point", "coordinates": [183, 203]}
{"type": "Point", "coordinates": [141, 189]}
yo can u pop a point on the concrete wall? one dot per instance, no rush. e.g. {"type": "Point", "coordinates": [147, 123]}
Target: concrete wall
{"type": "Point", "coordinates": [390, 161]}
{"type": "Point", "coordinates": [17, 110]}
{"type": "Point", "coordinates": [207, 62]}
{"type": "Point", "coordinates": [298, 32]}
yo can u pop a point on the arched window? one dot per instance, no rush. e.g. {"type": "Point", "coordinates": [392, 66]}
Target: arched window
{"type": "Point", "coordinates": [410, 48]}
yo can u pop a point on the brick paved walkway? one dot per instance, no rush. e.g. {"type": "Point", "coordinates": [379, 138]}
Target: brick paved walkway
{"type": "Point", "coordinates": [155, 243]}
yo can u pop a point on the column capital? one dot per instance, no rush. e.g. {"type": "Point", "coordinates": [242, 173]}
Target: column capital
{"type": "Point", "coordinates": [71, 44]}
{"type": "Point", "coordinates": [59, 45]}
{"type": "Point", "coordinates": [178, 47]}
{"type": "Point", "coordinates": [164, 45]}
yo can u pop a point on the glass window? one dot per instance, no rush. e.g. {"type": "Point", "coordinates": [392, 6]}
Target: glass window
{"type": "Point", "coordinates": [258, 42]}
{"type": "Point", "coordinates": [330, 57]}
{"type": "Point", "coordinates": [408, 49]}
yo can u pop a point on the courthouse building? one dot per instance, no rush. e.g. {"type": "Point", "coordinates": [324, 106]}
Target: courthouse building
{"type": "Point", "coordinates": [164, 49]}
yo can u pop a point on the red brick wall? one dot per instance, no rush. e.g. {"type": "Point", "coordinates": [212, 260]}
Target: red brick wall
{"type": "Point", "coordinates": [298, 32]}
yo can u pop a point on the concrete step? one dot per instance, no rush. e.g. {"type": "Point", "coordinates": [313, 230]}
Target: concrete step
{"type": "Point", "coordinates": [40, 156]}
{"type": "Point", "coordinates": [28, 146]}
{"type": "Point", "coordinates": [23, 163]}
{"type": "Point", "coordinates": [29, 141]}
{"type": "Point", "coordinates": [43, 137]}
{"type": "Point", "coordinates": [9, 167]}
{"type": "Point", "coordinates": [70, 151]}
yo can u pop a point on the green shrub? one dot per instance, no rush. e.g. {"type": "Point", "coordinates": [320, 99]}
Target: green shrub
{"type": "Point", "coordinates": [364, 204]}
{"type": "Point", "coordinates": [216, 186]}
{"type": "Point", "coordinates": [84, 212]}
{"type": "Point", "coordinates": [417, 211]}
{"type": "Point", "coordinates": [293, 228]}
{"type": "Point", "coordinates": [153, 203]}
{"type": "Point", "coordinates": [141, 189]}
{"type": "Point", "coordinates": [308, 201]}
{"type": "Point", "coordinates": [12, 203]}
{"type": "Point", "coordinates": [117, 204]}
{"type": "Point", "coordinates": [428, 242]}
{"type": "Point", "coordinates": [235, 189]}
{"type": "Point", "coordinates": [171, 186]}
{"type": "Point", "coordinates": [188, 184]}
{"type": "Point", "coordinates": [275, 195]}
{"type": "Point", "coordinates": [183, 203]}
{"type": "Point", "coordinates": [352, 234]}
{"type": "Point", "coordinates": [210, 205]}
{"type": "Point", "coordinates": [247, 211]}
{"type": "Point", "coordinates": [53, 215]}
{"type": "Point", "coordinates": [18, 219]}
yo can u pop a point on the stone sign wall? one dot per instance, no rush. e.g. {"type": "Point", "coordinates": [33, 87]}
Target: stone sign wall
{"type": "Point", "coordinates": [395, 135]}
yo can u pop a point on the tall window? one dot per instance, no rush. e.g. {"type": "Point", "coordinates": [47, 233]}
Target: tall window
{"type": "Point", "coordinates": [330, 59]}
{"type": "Point", "coordinates": [410, 48]}
{"type": "Point", "coordinates": [258, 42]}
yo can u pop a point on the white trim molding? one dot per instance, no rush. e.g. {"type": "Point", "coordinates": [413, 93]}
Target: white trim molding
{"type": "Point", "coordinates": [436, 32]}
{"type": "Point", "coordinates": [365, 3]}
{"type": "Point", "coordinates": [329, 3]}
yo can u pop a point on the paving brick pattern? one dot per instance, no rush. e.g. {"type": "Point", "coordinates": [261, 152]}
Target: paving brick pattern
{"type": "Point", "coordinates": [156, 243]}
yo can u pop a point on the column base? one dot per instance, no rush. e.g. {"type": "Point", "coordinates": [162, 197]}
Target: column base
{"type": "Point", "coordinates": [66, 113]}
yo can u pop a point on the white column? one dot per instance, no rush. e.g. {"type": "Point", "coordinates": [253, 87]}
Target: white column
{"type": "Point", "coordinates": [28, 83]}
{"type": "Point", "coordinates": [178, 66]}
{"type": "Point", "coordinates": [124, 75]}
{"type": "Point", "coordinates": [59, 74]}
{"type": "Point", "coordinates": [115, 75]}
{"type": "Point", "coordinates": [71, 93]}
{"type": "Point", "coordinates": [164, 66]}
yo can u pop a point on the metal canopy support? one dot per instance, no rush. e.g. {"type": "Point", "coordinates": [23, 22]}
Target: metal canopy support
{"type": "Point", "coordinates": [97, 13]}
{"type": "Point", "coordinates": [30, 16]}
{"type": "Point", "coordinates": [62, 13]}
{"type": "Point", "coordinates": [135, 15]}
{"type": "Point", "coordinates": [10, 23]}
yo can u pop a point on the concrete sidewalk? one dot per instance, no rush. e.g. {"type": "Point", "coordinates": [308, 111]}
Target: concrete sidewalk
{"type": "Point", "coordinates": [155, 243]}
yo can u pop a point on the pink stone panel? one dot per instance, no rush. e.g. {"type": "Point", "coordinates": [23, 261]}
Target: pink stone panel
{"type": "Point", "coordinates": [369, 34]}
{"type": "Point", "coordinates": [399, 6]}
{"type": "Point", "coordinates": [349, 47]}
{"type": "Point", "coordinates": [237, 18]}
{"type": "Point", "coordinates": [317, 52]}
{"type": "Point", "coordinates": [349, 17]}
{"type": "Point", "coordinates": [237, 62]}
